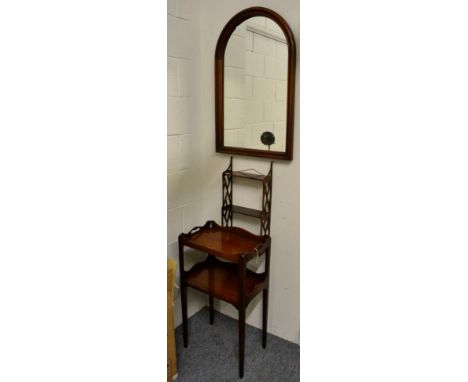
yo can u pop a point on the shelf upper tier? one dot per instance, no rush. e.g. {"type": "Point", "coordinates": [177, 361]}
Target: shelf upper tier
{"type": "Point", "coordinates": [248, 175]}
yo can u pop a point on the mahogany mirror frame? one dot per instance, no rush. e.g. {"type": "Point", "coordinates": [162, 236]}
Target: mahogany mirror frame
{"type": "Point", "coordinates": [219, 84]}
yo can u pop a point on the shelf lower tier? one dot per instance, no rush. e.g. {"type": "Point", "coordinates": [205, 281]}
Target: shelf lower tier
{"type": "Point", "coordinates": [247, 211]}
{"type": "Point", "coordinates": [220, 279]}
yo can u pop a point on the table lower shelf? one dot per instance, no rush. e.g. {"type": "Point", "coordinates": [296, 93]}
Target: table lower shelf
{"type": "Point", "coordinates": [220, 280]}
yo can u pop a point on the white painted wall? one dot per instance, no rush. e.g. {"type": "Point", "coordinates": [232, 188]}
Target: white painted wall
{"type": "Point", "coordinates": [183, 143]}
{"type": "Point", "coordinates": [198, 188]}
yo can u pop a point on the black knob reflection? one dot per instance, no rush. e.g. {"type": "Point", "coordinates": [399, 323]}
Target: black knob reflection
{"type": "Point", "coordinates": [268, 138]}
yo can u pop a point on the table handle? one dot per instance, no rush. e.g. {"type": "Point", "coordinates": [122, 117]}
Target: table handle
{"type": "Point", "coordinates": [194, 229]}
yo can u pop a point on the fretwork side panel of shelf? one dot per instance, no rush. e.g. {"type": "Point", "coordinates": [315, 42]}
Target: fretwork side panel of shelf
{"type": "Point", "coordinates": [229, 209]}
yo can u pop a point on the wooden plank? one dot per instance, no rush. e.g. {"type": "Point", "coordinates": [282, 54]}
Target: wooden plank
{"type": "Point", "coordinates": [171, 346]}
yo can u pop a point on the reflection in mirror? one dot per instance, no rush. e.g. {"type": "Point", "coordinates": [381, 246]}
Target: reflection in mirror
{"type": "Point", "coordinates": [255, 86]}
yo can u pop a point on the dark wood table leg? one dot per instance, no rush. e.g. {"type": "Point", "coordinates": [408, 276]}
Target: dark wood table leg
{"type": "Point", "coordinates": [242, 271]}
{"type": "Point", "coordinates": [211, 260]}
{"type": "Point", "coordinates": [265, 298]}
{"type": "Point", "coordinates": [183, 293]}
{"type": "Point", "coordinates": [265, 317]}
{"type": "Point", "coordinates": [211, 310]}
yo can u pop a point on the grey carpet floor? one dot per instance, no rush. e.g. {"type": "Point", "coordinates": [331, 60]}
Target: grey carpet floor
{"type": "Point", "coordinates": [212, 353]}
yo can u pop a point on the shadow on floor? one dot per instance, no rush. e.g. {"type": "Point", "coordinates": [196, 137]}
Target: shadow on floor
{"type": "Point", "coordinates": [212, 353]}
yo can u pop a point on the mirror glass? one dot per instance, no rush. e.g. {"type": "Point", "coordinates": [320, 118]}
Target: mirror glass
{"type": "Point", "coordinates": [255, 86]}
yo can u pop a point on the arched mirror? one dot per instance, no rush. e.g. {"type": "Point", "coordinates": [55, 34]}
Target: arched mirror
{"type": "Point", "coordinates": [255, 66]}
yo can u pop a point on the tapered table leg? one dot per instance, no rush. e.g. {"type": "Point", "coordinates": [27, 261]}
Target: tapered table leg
{"type": "Point", "coordinates": [211, 310]}
{"type": "Point", "coordinates": [265, 317]}
{"type": "Point", "coordinates": [242, 272]}
{"type": "Point", "coordinates": [265, 299]}
{"type": "Point", "coordinates": [241, 341]}
{"type": "Point", "coordinates": [211, 260]}
{"type": "Point", "coordinates": [183, 294]}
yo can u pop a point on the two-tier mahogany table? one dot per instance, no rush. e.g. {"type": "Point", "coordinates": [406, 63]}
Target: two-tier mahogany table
{"type": "Point", "coordinates": [224, 274]}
